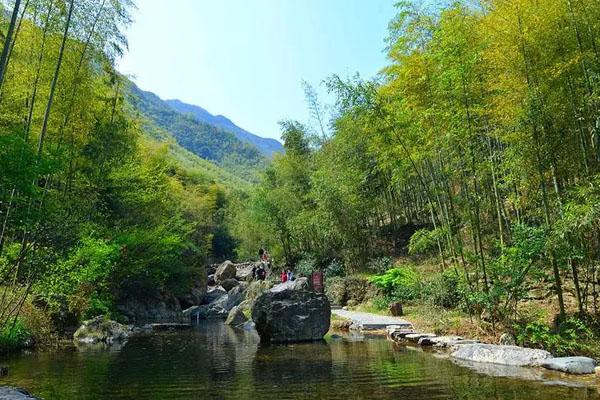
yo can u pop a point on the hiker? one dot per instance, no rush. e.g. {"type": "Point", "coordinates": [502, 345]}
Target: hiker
{"type": "Point", "coordinates": [290, 275]}
{"type": "Point", "coordinates": [261, 273]}
{"type": "Point", "coordinates": [284, 276]}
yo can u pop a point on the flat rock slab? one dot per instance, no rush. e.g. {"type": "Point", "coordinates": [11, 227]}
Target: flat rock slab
{"type": "Point", "coordinates": [504, 355]}
{"type": "Point", "coordinates": [571, 365]}
{"type": "Point", "coordinates": [367, 321]}
{"type": "Point", "coordinates": [442, 341]}
{"type": "Point", "coordinates": [415, 337]}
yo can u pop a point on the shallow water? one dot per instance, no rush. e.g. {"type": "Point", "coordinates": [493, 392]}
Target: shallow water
{"type": "Point", "coordinates": [215, 361]}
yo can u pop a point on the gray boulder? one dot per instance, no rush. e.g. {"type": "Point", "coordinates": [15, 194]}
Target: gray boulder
{"type": "Point", "coordinates": [297, 284]}
{"type": "Point", "coordinates": [505, 355]}
{"type": "Point", "coordinates": [571, 365]}
{"type": "Point", "coordinates": [244, 271]}
{"type": "Point", "coordinates": [213, 294]}
{"type": "Point", "coordinates": [236, 295]}
{"type": "Point", "coordinates": [291, 316]}
{"type": "Point", "coordinates": [229, 284]}
{"type": "Point", "coordinates": [236, 317]}
{"type": "Point", "coordinates": [101, 330]}
{"type": "Point", "coordinates": [11, 393]}
{"type": "Point", "coordinates": [225, 271]}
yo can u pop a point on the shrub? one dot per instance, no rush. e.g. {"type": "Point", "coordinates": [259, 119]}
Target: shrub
{"type": "Point", "coordinates": [306, 266]}
{"type": "Point", "coordinates": [399, 284]}
{"type": "Point", "coordinates": [335, 289]}
{"type": "Point", "coordinates": [443, 290]}
{"type": "Point", "coordinates": [570, 338]}
{"type": "Point", "coordinates": [335, 269]}
{"type": "Point", "coordinates": [380, 265]}
{"type": "Point", "coordinates": [14, 336]}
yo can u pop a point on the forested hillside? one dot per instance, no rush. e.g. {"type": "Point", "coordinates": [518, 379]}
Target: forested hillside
{"type": "Point", "coordinates": [267, 146]}
{"type": "Point", "coordinates": [98, 207]}
{"type": "Point", "coordinates": [483, 132]}
{"type": "Point", "coordinates": [205, 140]}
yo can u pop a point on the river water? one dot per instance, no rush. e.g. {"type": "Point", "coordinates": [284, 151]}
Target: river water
{"type": "Point", "coordinates": [214, 361]}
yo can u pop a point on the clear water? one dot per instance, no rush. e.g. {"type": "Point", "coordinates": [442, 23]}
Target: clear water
{"type": "Point", "coordinates": [216, 362]}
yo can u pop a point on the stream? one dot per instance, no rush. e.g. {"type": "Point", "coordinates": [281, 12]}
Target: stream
{"type": "Point", "coordinates": [214, 361]}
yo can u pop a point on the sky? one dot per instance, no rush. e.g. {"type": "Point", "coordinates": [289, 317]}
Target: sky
{"type": "Point", "coordinates": [246, 59]}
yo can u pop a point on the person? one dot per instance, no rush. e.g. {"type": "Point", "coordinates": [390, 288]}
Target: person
{"type": "Point", "coordinates": [261, 273]}
{"type": "Point", "coordinates": [284, 276]}
{"type": "Point", "coordinates": [290, 275]}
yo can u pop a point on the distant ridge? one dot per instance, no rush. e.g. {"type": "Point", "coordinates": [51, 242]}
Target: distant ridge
{"type": "Point", "coordinates": [266, 146]}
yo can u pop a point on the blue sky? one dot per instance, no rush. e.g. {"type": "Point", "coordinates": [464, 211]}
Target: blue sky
{"type": "Point", "coordinates": [246, 59]}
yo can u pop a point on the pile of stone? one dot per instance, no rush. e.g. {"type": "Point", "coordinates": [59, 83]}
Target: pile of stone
{"type": "Point", "coordinates": [504, 354]}
{"type": "Point", "coordinates": [229, 295]}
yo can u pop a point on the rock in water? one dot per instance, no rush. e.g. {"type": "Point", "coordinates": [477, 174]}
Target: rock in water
{"type": "Point", "coordinates": [225, 271]}
{"type": "Point", "coordinates": [101, 330]}
{"type": "Point", "coordinates": [506, 355]}
{"type": "Point", "coordinates": [213, 295]}
{"type": "Point", "coordinates": [236, 317]}
{"type": "Point", "coordinates": [291, 316]}
{"type": "Point", "coordinates": [571, 365]}
{"type": "Point", "coordinates": [11, 393]}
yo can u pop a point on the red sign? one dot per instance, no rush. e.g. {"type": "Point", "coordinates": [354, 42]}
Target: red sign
{"type": "Point", "coordinates": [317, 281]}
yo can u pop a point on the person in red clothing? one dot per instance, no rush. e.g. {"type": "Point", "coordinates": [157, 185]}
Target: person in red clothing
{"type": "Point", "coordinates": [284, 276]}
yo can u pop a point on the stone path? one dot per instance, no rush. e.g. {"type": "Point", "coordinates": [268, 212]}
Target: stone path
{"type": "Point", "coordinates": [368, 321]}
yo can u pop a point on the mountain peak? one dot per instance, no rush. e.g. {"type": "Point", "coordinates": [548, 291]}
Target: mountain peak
{"type": "Point", "coordinates": [266, 146]}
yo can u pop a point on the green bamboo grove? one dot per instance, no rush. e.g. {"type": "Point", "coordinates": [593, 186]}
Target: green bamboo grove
{"type": "Point", "coordinates": [483, 131]}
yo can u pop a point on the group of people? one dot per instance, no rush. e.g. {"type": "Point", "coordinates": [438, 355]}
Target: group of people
{"type": "Point", "coordinates": [287, 275]}
{"type": "Point", "coordinates": [259, 271]}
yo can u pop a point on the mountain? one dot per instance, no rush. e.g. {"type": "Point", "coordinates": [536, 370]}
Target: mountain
{"type": "Point", "coordinates": [267, 146]}
{"type": "Point", "coordinates": [209, 142]}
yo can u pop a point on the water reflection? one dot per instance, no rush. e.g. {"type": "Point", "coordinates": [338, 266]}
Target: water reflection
{"type": "Point", "coordinates": [215, 361]}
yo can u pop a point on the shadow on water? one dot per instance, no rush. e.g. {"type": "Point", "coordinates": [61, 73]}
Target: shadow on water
{"type": "Point", "coordinates": [214, 361]}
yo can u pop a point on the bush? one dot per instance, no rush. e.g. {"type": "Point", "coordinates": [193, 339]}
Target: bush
{"type": "Point", "coordinates": [335, 290]}
{"type": "Point", "coordinates": [306, 266]}
{"type": "Point", "coordinates": [572, 337]}
{"type": "Point", "coordinates": [335, 269]}
{"type": "Point", "coordinates": [398, 284]}
{"type": "Point", "coordinates": [443, 291]}
{"type": "Point", "coordinates": [380, 265]}
{"type": "Point", "coordinates": [14, 336]}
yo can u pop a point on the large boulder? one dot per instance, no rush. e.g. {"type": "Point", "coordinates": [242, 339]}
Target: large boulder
{"type": "Point", "coordinates": [229, 284]}
{"type": "Point", "coordinates": [291, 316]}
{"type": "Point", "coordinates": [214, 294]}
{"type": "Point", "coordinates": [244, 271]}
{"type": "Point", "coordinates": [297, 284]}
{"type": "Point", "coordinates": [225, 271]}
{"type": "Point", "coordinates": [236, 317]}
{"type": "Point", "coordinates": [236, 295]}
{"type": "Point", "coordinates": [101, 330]}
{"type": "Point", "coordinates": [505, 355]}
{"type": "Point", "coordinates": [571, 365]}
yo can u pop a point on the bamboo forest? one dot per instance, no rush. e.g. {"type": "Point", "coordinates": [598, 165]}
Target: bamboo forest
{"type": "Point", "coordinates": [454, 192]}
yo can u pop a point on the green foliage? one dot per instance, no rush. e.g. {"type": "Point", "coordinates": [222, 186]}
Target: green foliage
{"type": "Point", "coordinates": [380, 265]}
{"type": "Point", "coordinates": [335, 269]}
{"type": "Point", "coordinates": [306, 266]}
{"type": "Point", "coordinates": [444, 290]}
{"type": "Point", "coordinates": [400, 283]}
{"type": "Point", "coordinates": [572, 337]}
{"type": "Point", "coordinates": [424, 241]}
{"type": "Point", "coordinates": [14, 336]}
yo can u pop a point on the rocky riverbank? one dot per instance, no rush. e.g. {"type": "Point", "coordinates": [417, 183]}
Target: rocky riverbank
{"type": "Point", "coordinates": [472, 351]}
